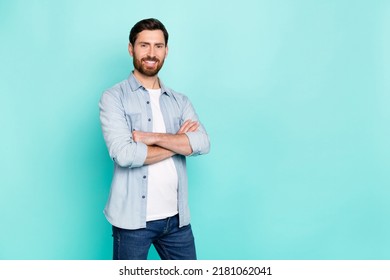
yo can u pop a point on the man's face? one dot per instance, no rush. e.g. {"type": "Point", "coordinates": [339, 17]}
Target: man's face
{"type": "Point", "coordinates": [149, 52]}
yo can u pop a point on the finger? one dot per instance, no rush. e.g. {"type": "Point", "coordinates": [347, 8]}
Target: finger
{"type": "Point", "coordinates": [135, 136]}
{"type": "Point", "coordinates": [193, 127]}
{"type": "Point", "coordinates": [184, 127]}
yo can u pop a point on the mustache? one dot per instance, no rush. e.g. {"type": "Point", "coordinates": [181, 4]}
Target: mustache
{"type": "Point", "coordinates": [151, 58]}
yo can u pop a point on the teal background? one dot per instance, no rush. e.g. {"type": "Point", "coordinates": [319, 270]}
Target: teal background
{"type": "Point", "coordinates": [294, 94]}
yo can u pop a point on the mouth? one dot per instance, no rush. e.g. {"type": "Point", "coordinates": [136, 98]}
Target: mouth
{"type": "Point", "coordinates": [150, 62]}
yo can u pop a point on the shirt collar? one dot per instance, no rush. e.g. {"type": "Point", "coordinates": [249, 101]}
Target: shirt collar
{"type": "Point", "coordinates": [135, 84]}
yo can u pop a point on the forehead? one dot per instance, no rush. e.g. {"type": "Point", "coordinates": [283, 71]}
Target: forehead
{"type": "Point", "coordinates": [151, 36]}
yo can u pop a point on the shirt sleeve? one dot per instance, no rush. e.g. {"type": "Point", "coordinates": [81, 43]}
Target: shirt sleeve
{"type": "Point", "coordinates": [199, 139]}
{"type": "Point", "coordinates": [117, 134]}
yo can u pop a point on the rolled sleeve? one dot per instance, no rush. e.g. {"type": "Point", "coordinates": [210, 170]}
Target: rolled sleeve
{"type": "Point", "coordinates": [199, 142]}
{"type": "Point", "coordinates": [132, 155]}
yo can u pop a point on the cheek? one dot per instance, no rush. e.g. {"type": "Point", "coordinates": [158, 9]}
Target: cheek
{"type": "Point", "coordinates": [162, 55]}
{"type": "Point", "coordinates": [138, 54]}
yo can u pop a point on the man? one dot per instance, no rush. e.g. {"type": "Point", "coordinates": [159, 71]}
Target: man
{"type": "Point", "coordinates": [149, 130]}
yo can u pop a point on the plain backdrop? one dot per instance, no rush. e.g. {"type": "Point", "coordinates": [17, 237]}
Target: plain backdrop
{"type": "Point", "coordinates": [295, 96]}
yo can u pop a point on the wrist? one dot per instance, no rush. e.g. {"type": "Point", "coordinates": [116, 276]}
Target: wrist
{"type": "Point", "coordinates": [159, 138]}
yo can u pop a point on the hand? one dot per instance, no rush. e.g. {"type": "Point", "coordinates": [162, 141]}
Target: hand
{"type": "Point", "coordinates": [145, 137]}
{"type": "Point", "coordinates": [188, 126]}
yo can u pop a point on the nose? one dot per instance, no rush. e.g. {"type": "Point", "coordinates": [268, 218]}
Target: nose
{"type": "Point", "coordinates": [151, 52]}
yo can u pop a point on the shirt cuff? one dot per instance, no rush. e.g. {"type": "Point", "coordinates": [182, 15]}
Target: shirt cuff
{"type": "Point", "coordinates": [199, 143]}
{"type": "Point", "coordinates": [141, 153]}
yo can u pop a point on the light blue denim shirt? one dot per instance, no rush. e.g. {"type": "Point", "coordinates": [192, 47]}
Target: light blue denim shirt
{"type": "Point", "coordinates": [126, 107]}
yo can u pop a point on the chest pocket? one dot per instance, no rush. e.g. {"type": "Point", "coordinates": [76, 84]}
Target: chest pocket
{"type": "Point", "coordinates": [133, 121]}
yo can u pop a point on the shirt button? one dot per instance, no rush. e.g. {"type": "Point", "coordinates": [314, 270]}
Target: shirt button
{"type": "Point", "coordinates": [144, 177]}
{"type": "Point", "coordinates": [143, 196]}
{"type": "Point", "coordinates": [147, 102]}
{"type": "Point", "coordinates": [149, 119]}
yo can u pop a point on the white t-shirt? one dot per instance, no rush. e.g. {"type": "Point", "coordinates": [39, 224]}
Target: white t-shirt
{"type": "Point", "coordinates": [162, 178]}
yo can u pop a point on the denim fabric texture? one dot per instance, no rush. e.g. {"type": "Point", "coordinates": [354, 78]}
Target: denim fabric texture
{"type": "Point", "coordinates": [171, 241]}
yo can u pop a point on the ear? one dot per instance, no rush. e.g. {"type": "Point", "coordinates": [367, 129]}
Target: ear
{"type": "Point", "coordinates": [166, 51]}
{"type": "Point", "coordinates": [131, 49]}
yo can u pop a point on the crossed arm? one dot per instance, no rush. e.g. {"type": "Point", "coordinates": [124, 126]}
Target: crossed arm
{"type": "Point", "coordinates": [161, 146]}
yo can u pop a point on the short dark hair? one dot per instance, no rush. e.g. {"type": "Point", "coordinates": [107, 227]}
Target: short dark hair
{"type": "Point", "coordinates": [147, 24]}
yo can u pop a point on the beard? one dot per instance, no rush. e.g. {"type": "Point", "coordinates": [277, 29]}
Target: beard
{"type": "Point", "coordinates": [145, 70]}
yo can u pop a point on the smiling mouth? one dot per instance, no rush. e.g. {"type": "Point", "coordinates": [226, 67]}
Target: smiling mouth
{"type": "Point", "coordinates": [149, 63]}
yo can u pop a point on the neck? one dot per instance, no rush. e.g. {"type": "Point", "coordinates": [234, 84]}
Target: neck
{"type": "Point", "coordinates": [147, 81]}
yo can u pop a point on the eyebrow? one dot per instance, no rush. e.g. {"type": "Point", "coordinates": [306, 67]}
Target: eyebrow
{"type": "Point", "coordinates": [148, 43]}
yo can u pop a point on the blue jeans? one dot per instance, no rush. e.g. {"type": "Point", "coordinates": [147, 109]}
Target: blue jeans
{"type": "Point", "coordinates": [170, 241]}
